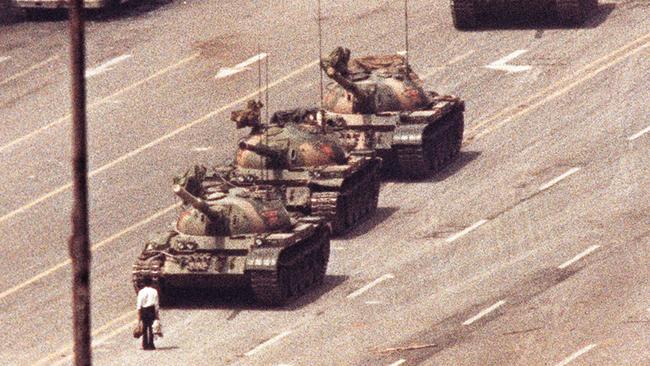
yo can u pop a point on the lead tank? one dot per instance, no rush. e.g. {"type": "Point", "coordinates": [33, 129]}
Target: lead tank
{"type": "Point", "coordinates": [466, 13]}
{"type": "Point", "coordinates": [379, 103]}
{"type": "Point", "coordinates": [235, 237]}
{"type": "Point", "coordinates": [315, 172]}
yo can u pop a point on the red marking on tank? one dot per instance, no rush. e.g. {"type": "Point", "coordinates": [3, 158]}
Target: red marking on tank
{"type": "Point", "coordinates": [270, 216]}
{"type": "Point", "coordinates": [327, 150]}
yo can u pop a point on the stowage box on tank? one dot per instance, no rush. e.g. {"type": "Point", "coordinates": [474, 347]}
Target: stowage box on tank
{"type": "Point", "coordinates": [466, 13]}
{"type": "Point", "coordinates": [378, 103]}
{"type": "Point", "coordinates": [239, 237]}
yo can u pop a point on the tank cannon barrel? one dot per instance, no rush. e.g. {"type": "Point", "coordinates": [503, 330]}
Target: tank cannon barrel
{"type": "Point", "coordinates": [264, 150]}
{"type": "Point", "coordinates": [196, 202]}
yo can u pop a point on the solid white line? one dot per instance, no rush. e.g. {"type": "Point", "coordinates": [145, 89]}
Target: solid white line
{"type": "Point", "coordinates": [557, 179]}
{"type": "Point", "coordinates": [267, 343]}
{"type": "Point", "coordinates": [28, 70]}
{"type": "Point", "coordinates": [483, 313]}
{"type": "Point", "coordinates": [567, 360]}
{"type": "Point", "coordinates": [639, 134]}
{"type": "Point", "coordinates": [502, 63]}
{"type": "Point", "coordinates": [397, 363]}
{"type": "Point", "coordinates": [370, 285]}
{"type": "Point", "coordinates": [466, 230]}
{"type": "Point", "coordinates": [106, 66]}
{"type": "Point", "coordinates": [578, 257]}
{"type": "Point", "coordinates": [242, 66]}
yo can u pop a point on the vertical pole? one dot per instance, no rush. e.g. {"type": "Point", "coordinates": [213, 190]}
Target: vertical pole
{"type": "Point", "coordinates": [320, 54]}
{"type": "Point", "coordinates": [406, 29]}
{"type": "Point", "coordinates": [79, 241]}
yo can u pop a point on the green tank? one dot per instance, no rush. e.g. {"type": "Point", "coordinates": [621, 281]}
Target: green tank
{"type": "Point", "coordinates": [314, 171]}
{"type": "Point", "coordinates": [235, 237]}
{"type": "Point", "coordinates": [378, 103]}
{"type": "Point", "coordinates": [466, 13]}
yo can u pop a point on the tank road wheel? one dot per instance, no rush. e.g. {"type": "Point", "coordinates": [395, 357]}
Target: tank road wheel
{"type": "Point", "coordinates": [271, 287]}
{"type": "Point", "coordinates": [574, 12]}
{"type": "Point", "coordinates": [463, 13]}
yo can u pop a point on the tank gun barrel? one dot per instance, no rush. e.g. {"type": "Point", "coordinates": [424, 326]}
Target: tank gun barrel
{"type": "Point", "coordinates": [264, 150]}
{"type": "Point", "coordinates": [196, 202]}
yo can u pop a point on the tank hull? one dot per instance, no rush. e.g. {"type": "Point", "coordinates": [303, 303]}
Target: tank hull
{"type": "Point", "coordinates": [411, 144]}
{"type": "Point", "coordinates": [187, 262]}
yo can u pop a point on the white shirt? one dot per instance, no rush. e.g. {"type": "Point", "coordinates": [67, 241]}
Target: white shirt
{"type": "Point", "coordinates": [147, 296]}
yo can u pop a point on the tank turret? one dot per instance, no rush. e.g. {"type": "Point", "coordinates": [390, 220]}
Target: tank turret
{"type": "Point", "coordinates": [371, 84]}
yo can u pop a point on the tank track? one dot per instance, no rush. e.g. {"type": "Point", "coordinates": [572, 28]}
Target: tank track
{"type": "Point", "coordinates": [574, 12]}
{"type": "Point", "coordinates": [439, 147]}
{"type": "Point", "coordinates": [346, 209]}
{"type": "Point", "coordinates": [294, 276]}
{"type": "Point", "coordinates": [463, 13]}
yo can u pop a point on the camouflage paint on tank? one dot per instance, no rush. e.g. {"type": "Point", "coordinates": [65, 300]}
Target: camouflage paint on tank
{"type": "Point", "coordinates": [297, 147]}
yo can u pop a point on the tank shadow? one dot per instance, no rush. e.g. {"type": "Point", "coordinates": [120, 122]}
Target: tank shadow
{"type": "Point", "coordinates": [540, 21]}
{"type": "Point", "coordinates": [242, 299]}
{"type": "Point", "coordinates": [381, 215]}
{"type": "Point", "coordinates": [464, 158]}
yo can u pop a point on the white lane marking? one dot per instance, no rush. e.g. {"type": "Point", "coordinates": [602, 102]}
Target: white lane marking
{"type": "Point", "coordinates": [483, 313]}
{"type": "Point", "coordinates": [558, 179]}
{"type": "Point", "coordinates": [401, 53]}
{"type": "Point", "coordinates": [398, 362]}
{"type": "Point", "coordinates": [106, 66]}
{"type": "Point", "coordinates": [465, 231]}
{"type": "Point", "coordinates": [579, 256]}
{"type": "Point", "coordinates": [502, 63]}
{"type": "Point", "coordinates": [275, 339]}
{"type": "Point", "coordinates": [370, 285]}
{"type": "Point", "coordinates": [202, 148]}
{"type": "Point", "coordinates": [242, 66]}
{"type": "Point", "coordinates": [639, 134]}
{"type": "Point", "coordinates": [28, 70]}
{"type": "Point", "coordinates": [579, 353]}
{"type": "Point", "coordinates": [4, 58]}
{"type": "Point", "coordinates": [373, 302]}
{"type": "Point", "coordinates": [460, 58]}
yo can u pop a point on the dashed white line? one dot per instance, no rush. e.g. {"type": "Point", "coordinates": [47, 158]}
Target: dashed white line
{"type": "Point", "coordinates": [106, 66]}
{"type": "Point", "coordinates": [373, 302]}
{"type": "Point", "coordinates": [483, 313]}
{"type": "Point", "coordinates": [639, 134]}
{"type": "Point", "coordinates": [578, 257]}
{"type": "Point", "coordinates": [370, 285]}
{"type": "Point", "coordinates": [271, 341]}
{"type": "Point", "coordinates": [4, 58]}
{"type": "Point", "coordinates": [398, 362]}
{"type": "Point", "coordinates": [460, 58]}
{"type": "Point", "coordinates": [577, 354]}
{"type": "Point", "coordinates": [242, 66]}
{"type": "Point", "coordinates": [28, 70]}
{"type": "Point", "coordinates": [502, 63]}
{"type": "Point", "coordinates": [466, 231]}
{"type": "Point", "coordinates": [557, 179]}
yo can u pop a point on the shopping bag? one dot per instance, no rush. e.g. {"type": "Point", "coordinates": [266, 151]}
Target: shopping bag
{"type": "Point", "coordinates": [157, 328]}
{"type": "Point", "coordinates": [138, 330]}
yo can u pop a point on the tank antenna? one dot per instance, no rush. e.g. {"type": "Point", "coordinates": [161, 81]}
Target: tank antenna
{"type": "Point", "coordinates": [266, 88]}
{"type": "Point", "coordinates": [259, 74]}
{"type": "Point", "coordinates": [320, 54]}
{"type": "Point", "coordinates": [406, 30]}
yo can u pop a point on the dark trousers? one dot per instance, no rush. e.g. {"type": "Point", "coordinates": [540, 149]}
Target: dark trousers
{"type": "Point", "coordinates": [148, 315]}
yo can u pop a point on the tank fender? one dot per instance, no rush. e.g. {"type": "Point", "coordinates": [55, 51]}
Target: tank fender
{"type": "Point", "coordinates": [263, 259]}
{"type": "Point", "coordinates": [408, 134]}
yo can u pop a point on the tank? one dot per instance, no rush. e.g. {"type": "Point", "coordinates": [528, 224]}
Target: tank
{"type": "Point", "coordinates": [466, 13]}
{"type": "Point", "coordinates": [378, 103]}
{"type": "Point", "coordinates": [317, 175]}
{"type": "Point", "coordinates": [235, 237]}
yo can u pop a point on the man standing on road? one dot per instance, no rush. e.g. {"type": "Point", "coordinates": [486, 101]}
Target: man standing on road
{"type": "Point", "coordinates": [147, 305]}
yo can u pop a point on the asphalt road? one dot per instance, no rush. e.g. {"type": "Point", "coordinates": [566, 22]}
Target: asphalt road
{"type": "Point", "coordinates": [531, 249]}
